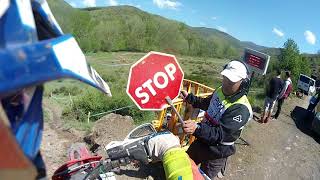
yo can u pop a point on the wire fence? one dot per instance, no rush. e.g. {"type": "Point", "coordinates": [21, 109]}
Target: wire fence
{"type": "Point", "coordinates": [114, 110]}
{"type": "Point", "coordinates": [69, 99]}
{"type": "Point", "coordinates": [65, 99]}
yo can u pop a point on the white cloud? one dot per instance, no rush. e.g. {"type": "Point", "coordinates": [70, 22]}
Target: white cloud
{"type": "Point", "coordinates": [214, 18]}
{"type": "Point", "coordinates": [73, 4]}
{"type": "Point", "coordinates": [113, 2]}
{"type": "Point", "coordinates": [223, 29]}
{"type": "Point", "coordinates": [202, 24]}
{"type": "Point", "coordinates": [167, 4]}
{"type": "Point", "coordinates": [310, 37]}
{"type": "Point", "coordinates": [278, 32]}
{"type": "Point", "coordinates": [90, 3]}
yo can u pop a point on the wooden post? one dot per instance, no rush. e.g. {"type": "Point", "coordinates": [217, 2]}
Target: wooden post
{"type": "Point", "coordinates": [89, 117]}
{"type": "Point", "coordinates": [71, 100]}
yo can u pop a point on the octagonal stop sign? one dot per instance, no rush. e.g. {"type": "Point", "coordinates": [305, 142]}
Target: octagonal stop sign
{"type": "Point", "coordinates": [152, 78]}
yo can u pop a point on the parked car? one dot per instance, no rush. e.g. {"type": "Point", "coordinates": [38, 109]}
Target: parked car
{"type": "Point", "coordinates": [306, 84]}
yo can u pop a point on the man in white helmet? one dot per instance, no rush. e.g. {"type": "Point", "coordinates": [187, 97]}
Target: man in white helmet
{"type": "Point", "coordinates": [227, 112]}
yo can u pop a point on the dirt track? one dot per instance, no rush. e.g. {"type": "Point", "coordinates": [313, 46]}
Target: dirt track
{"type": "Point", "coordinates": [281, 149]}
{"type": "Point", "coordinates": [278, 150]}
{"type": "Point", "coordinates": [56, 139]}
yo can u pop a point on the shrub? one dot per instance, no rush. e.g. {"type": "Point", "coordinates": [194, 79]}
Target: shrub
{"type": "Point", "coordinates": [95, 102]}
{"type": "Point", "coordinates": [66, 90]}
{"type": "Point", "coordinates": [252, 100]}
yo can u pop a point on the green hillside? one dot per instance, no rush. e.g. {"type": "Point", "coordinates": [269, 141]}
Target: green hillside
{"type": "Point", "coordinates": [126, 28]}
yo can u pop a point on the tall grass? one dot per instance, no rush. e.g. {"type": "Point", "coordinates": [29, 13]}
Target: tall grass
{"type": "Point", "coordinates": [96, 102]}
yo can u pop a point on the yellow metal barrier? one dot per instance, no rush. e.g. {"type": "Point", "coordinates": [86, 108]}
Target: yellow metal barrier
{"type": "Point", "coordinates": [167, 119]}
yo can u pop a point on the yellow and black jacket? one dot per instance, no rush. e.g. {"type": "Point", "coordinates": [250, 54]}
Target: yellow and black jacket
{"type": "Point", "coordinates": [224, 120]}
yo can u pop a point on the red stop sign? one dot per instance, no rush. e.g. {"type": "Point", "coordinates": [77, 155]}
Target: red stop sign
{"type": "Point", "coordinates": [152, 78]}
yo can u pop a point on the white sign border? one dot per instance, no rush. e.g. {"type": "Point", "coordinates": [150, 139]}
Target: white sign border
{"type": "Point", "coordinates": [260, 54]}
{"type": "Point", "coordinates": [141, 59]}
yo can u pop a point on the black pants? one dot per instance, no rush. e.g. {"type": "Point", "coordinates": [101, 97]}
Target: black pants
{"type": "Point", "coordinates": [202, 155]}
{"type": "Point", "coordinates": [280, 102]}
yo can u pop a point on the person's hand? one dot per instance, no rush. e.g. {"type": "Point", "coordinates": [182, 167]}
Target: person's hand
{"type": "Point", "coordinates": [189, 126]}
{"type": "Point", "coordinates": [183, 94]}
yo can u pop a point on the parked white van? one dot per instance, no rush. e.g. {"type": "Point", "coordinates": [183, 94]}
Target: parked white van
{"type": "Point", "coordinates": [306, 84]}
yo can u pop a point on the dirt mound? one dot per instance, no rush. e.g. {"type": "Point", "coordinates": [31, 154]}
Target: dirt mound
{"type": "Point", "coordinates": [112, 127]}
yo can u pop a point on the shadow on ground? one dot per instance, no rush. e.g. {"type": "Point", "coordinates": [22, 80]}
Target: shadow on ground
{"type": "Point", "coordinates": [304, 122]}
{"type": "Point", "coordinates": [155, 170]}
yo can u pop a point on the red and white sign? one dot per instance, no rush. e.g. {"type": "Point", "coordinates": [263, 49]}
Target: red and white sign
{"type": "Point", "coordinates": [257, 61]}
{"type": "Point", "coordinates": [152, 78]}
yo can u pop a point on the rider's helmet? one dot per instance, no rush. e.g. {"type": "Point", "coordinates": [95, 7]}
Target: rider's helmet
{"type": "Point", "coordinates": [34, 50]}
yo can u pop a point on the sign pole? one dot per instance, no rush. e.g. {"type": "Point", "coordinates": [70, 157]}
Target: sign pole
{"type": "Point", "coordinates": [251, 79]}
{"type": "Point", "coordinates": [169, 101]}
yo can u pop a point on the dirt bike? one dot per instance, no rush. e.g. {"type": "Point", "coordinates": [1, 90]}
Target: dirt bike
{"type": "Point", "coordinates": [82, 165]}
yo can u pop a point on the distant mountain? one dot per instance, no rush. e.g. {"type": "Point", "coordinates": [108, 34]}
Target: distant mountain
{"type": "Point", "coordinates": [126, 28]}
{"type": "Point", "coordinates": [217, 35]}
{"type": "Point", "coordinates": [208, 32]}
{"type": "Point", "coordinates": [253, 45]}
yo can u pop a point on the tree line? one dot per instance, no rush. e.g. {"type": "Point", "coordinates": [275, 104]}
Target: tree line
{"type": "Point", "coordinates": [289, 59]}
{"type": "Point", "coordinates": [127, 28]}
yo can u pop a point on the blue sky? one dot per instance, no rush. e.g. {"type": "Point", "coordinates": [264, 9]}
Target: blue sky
{"type": "Point", "coordinates": [268, 23]}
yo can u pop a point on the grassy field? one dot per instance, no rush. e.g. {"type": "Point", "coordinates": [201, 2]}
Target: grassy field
{"type": "Point", "coordinates": [115, 65]}
{"type": "Point", "coordinates": [77, 99]}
